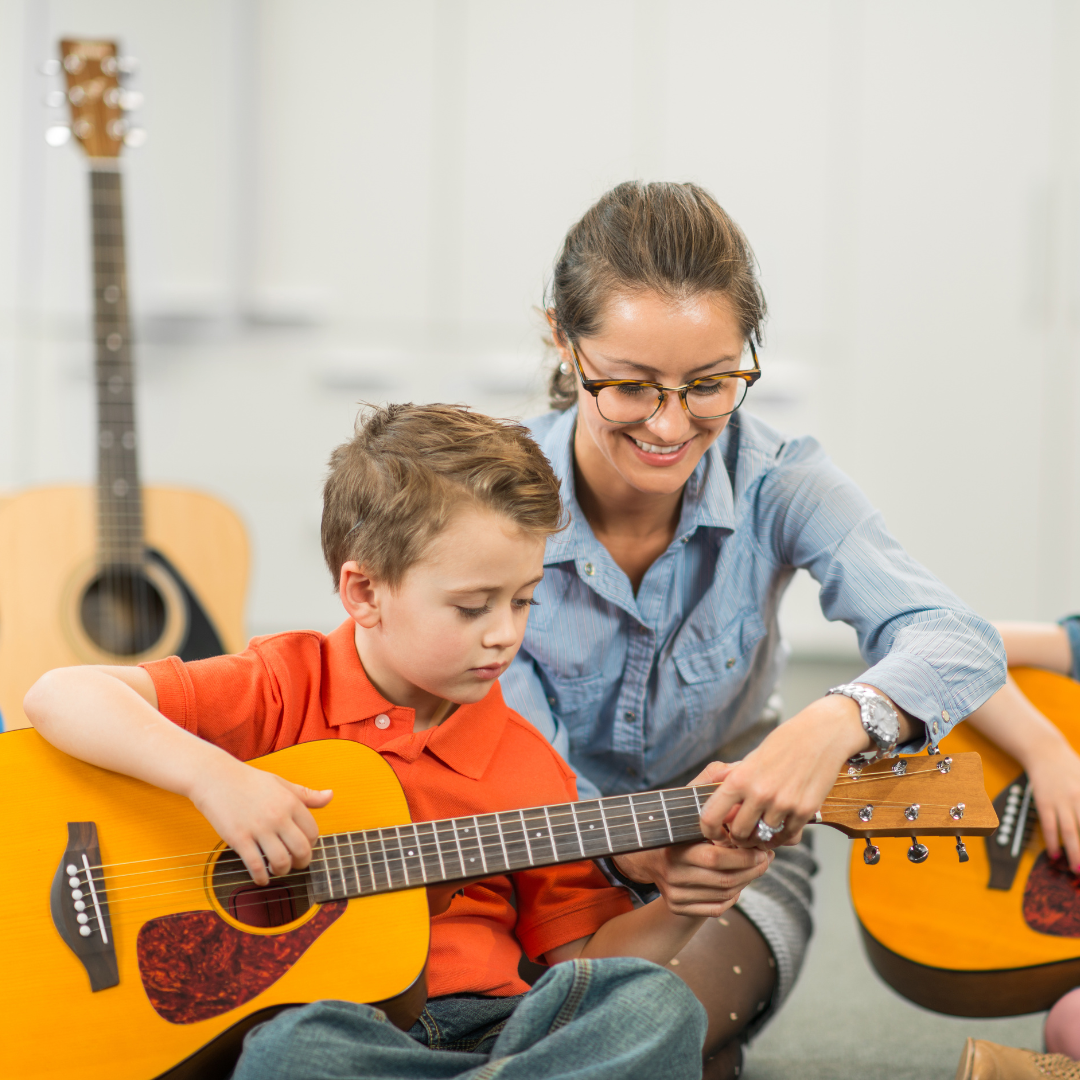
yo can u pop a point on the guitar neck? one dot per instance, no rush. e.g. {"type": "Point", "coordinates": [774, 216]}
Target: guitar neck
{"type": "Point", "coordinates": [120, 526]}
{"type": "Point", "coordinates": [350, 865]}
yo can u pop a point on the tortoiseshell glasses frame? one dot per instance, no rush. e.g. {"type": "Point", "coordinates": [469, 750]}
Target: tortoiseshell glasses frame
{"type": "Point", "coordinates": [712, 383]}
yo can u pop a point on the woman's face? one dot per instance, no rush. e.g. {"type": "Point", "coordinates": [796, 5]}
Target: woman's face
{"type": "Point", "coordinates": [646, 336]}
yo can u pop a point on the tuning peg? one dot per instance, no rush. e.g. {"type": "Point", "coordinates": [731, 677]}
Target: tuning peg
{"type": "Point", "coordinates": [961, 850]}
{"type": "Point", "coordinates": [130, 100]}
{"type": "Point", "coordinates": [944, 765]}
{"type": "Point", "coordinates": [127, 65]}
{"type": "Point", "coordinates": [917, 853]}
{"type": "Point", "coordinates": [872, 853]}
{"type": "Point", "coordinates": [57, 135]}
{"type": "Point", "coordinates": [49, 67]}
{"type": "Point", "coordinates": [912, 812]}
{"type": "Point", "coordinates": [932, 750]}
{"type": "Point", "coordinates": [55, 99]}
{"type": "Point", "coordinates": [135, 137]}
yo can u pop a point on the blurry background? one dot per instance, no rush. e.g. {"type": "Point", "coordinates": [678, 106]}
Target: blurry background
{"type": "Point", "coordinates": [344, 200]}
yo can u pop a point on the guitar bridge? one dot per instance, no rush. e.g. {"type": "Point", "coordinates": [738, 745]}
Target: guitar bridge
{"type": "Point", "coordinates": [80, 907]}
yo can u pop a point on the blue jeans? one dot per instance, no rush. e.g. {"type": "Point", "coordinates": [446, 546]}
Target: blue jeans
{"type": "Point", "coordinates": [583, 1020]}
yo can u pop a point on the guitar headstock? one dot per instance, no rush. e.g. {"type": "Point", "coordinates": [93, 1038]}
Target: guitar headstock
{"type": "Point", "coordinates": [908, 796]}
{"type": "Point", "coordinates": [92, 73]}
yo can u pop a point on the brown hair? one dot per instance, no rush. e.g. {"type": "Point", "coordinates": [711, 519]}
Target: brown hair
{"type": "Point", "coordinates": [674, 239]}
{"type": "Point", "coordinates": [394, 486]}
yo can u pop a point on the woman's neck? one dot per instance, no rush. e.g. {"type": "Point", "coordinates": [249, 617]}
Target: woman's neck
{"type": "Point", "coordinates": [635, 526]}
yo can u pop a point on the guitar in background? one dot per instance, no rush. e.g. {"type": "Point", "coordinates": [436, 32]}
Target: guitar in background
{"type": "Point", "coordinates": [123, 574]}
{"type": "Point", "coordinates": [1000, 936]}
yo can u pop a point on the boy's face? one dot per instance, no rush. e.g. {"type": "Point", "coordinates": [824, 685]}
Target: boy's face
{"type": "Point", "coordinates": [457, 618]}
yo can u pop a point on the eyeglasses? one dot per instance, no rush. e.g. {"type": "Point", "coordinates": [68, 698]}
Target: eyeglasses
{"type": "Point", "coordinates": [632, 401]}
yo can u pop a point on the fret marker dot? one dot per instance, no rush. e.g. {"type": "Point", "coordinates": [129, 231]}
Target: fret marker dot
{"type": "Point", "coordinates": [472, 860]}
{"type": "Point", "coordinates": [537, 834]}
{"type": "Point", "coordinates": [412, 853]}
{"type": "Point", "coordinates": [112, 294]}
{"type": "Point", "coordinates": [113, 342]}
{"type": "Point", "coordinates": [592, 826]}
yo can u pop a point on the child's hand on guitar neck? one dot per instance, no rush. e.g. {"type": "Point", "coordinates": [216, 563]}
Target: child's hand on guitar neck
{"type": "Point", "coordinates": [265, 819]}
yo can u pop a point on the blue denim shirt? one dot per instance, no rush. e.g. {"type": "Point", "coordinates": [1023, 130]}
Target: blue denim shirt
{"type": "Point", "coordinates": [634, 690]}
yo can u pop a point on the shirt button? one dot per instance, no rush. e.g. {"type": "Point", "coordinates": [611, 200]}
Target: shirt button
{"type": "Point", "coordinates": [590, 569]}
{"type": "Point", "coordinates": [382, 721]}
{"type": "Point", "coordinates": [629, 717]}
{"type": "Point", "coordinates": [945, 715]}
{"type": "Point", "coordinates": [730, 662]}
{"type": "Point", "coordinates": [934, 727]}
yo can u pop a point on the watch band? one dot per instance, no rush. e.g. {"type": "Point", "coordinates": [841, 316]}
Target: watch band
{"type": "Point", "coordinates": [883, 729]}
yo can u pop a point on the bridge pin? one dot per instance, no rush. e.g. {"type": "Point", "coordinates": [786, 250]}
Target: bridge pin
{"type": "Point", "coordinates": [71, 869]}
{"type": "Point", "coordinates": [84, 931]}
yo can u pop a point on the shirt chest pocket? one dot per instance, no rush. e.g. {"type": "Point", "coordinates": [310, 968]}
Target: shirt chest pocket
{"type": "Point", "coordinates": [576, 702]}
{"type": "Point", "coordinates": [725, 660]}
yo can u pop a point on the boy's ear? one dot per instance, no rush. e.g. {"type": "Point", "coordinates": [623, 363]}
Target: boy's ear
{"type": "Point", "coordinates": [358, 594]}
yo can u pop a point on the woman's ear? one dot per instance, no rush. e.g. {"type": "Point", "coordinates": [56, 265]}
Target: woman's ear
{"type": "Point", "coordinates": [359, 596]}
{"type": "Point", "coordinates": [558, 338]}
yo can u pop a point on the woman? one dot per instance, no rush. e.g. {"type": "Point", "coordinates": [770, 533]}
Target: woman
{"type": "Point", "coordinates": [1053, 767]}
{"type": "Point", "coordinates": [656, 647]}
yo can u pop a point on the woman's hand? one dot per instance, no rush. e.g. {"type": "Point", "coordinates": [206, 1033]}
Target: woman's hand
{"type": "Point", "coordinates": [1055, 782]}
{"type": "Point", "coordinates": [705, 878]}
{"type": "Point", "coordinates": [262, 817]}
{"type": "Point", "coordinates": [787, 777]}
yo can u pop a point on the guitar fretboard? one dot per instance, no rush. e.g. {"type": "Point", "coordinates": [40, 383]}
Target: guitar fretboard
{"type": "Point", "coordinates": [349, 865]}
{"type": "Point", "coordinates": [119, 497]}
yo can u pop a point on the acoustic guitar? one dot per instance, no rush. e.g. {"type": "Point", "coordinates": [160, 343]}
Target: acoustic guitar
{"type": "Point", "coordinates": [121, 574]}
{"type": "Point", "coordinates": [138, 946]}
{"type": "Point", "coordinates": [1000, 937]}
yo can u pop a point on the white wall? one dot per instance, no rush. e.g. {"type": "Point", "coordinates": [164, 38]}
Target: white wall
{"type": "Point", "coordinates": [345, 200]}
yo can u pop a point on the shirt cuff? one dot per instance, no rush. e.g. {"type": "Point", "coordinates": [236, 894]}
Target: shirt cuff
{"type": "Point", "coordinates": [1071, 623]}
{"type": "Point", "coordinates": [916, 687]}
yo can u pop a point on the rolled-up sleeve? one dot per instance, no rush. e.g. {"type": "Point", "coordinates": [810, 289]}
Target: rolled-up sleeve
{"type": "Point", "coordinates": [927, 650]}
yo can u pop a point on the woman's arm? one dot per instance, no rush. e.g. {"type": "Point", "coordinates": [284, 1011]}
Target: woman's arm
{"type": "Point", "coordinates": [656, 932]}
{"type": "Point", "coordinates": [1013, 723]}
{"type": "Point", "coordinates": [107, 716]}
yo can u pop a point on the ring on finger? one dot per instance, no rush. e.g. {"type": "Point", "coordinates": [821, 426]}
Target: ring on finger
{"type": "Point", "coordinates": [765, 832]}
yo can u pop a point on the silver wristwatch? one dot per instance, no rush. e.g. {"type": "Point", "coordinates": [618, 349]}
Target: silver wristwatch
{"type": "Point", "coordinates": [880, 721]}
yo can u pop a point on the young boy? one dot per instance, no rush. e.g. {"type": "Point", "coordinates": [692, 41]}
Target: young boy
{"type": "Point", "coordinates": [434, 523]}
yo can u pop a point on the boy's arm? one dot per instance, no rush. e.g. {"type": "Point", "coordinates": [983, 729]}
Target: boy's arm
{"type": "Point", "coordinates": [1013, 723]}
{"type": "Point", "coordinates": [654, 932]}
{"type": "Point", "coordinates": [108, 716]}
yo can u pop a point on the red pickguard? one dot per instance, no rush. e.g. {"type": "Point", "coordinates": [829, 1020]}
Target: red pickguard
{"type": "Point", "coordinates": [194, 965]}
{"type": "Point", "coordinates": [1052, 899]}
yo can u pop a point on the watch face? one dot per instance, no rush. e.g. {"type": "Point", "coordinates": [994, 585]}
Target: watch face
{"type": "Point", "coordinates": [882, 718]}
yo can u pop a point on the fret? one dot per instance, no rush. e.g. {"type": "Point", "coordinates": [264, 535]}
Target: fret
{"type": "Point", "coordinates": [396, 859]}
{"type": "Point", "coordinates": [487, 832]}
{"type": "Point", "coordinates": [419, 852]}
{"type": "Point", "coordinates": [577, 830]}
{"type": "Point", "coordinates": [468, 862]}
{"type": "Point", "coordinates": [551, 835]}
{"type": "Point", "coordinates": [410, 856]}
{"type": "Point", "coordinates": [502, 842]}
{"type": "Point", "coordinates": [633, 814]}
{"type": "Point", "coordinates": [446, 829]}
{"type": "Point", "coordinates": [433, 853]}
{"type": "Point", "coordinates": [540, 837]}
{"type": "Point", "coordinates": [685, 815]}
{"type": "Point", "coordinates": [619, 822]}
{"type": "Point", "coordinates": [650, 818]}
{"type": "Point", "coordinates": [380, 867]}
{"type": "Point", "coordinates": [363, 877]}
{"type": "Point", "coordinates": [667, 820]}
{"type": "Point", "coordinates": [590, 817]}
{"type": "Point", "coordinates": [326, 869]}
{"type": "Point", "coordinates": [340, 866]}
{"type": "Point", "coordinates": [525, 833]}
{"type": "Point", "coordinates": [480, 844]}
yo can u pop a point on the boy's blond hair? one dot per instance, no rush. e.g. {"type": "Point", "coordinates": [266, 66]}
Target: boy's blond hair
{"type": "Point", "coordinates": [395, 485]}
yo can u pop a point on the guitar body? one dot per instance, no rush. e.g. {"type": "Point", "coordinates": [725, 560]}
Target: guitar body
{"type": "Point", "coordinates": [941, 936]}
{"type": "Point", "coordinates": [209, 975]}
{"type": "Point", "coordinates": [197, 562]}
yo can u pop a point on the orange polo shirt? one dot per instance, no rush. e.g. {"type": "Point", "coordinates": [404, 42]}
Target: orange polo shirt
{"type": "Point", "coordinates": [298, 687]}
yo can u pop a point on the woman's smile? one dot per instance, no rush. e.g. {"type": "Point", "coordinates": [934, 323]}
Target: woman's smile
{"type": "Point", "coordinates": [659, 454]}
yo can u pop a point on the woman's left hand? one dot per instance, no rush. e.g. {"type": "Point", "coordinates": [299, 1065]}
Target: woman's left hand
{"type": "Point", "coordinates": [787, 777]}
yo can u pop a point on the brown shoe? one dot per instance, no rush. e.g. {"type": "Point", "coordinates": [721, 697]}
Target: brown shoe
{"type": "Point", "coordinates": [983, 1060]}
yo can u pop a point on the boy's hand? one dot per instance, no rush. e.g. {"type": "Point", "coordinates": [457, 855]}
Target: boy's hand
{"type": "Point", "coordinates": [1055, 780]}
{"type": "Point", "coordinates": [262, 817]}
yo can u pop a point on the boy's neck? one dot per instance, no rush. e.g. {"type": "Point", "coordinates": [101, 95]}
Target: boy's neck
{"type": "Point", "coordinates": [430, 709]}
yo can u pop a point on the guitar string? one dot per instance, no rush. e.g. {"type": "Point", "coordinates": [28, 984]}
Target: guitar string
{"type": "Point", "coordinates": [427, 851]}
{"type": "Point", "coordinates": [705, 790]}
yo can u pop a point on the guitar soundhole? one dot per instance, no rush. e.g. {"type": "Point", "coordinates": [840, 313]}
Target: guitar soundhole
{"type": "Point", "coordinates": [281, 902]}
{"type": "Point", "coordinates": [122, 611]}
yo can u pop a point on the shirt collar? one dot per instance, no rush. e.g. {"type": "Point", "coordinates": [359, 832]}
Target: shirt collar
{"type": "Point", "coordinates": [465, 741]}
{"type": "Point", "coordinates": [708, 500]}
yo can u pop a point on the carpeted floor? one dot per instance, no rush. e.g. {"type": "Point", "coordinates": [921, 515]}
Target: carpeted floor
{"type": "Point", "coordinates": [842, 1022]}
